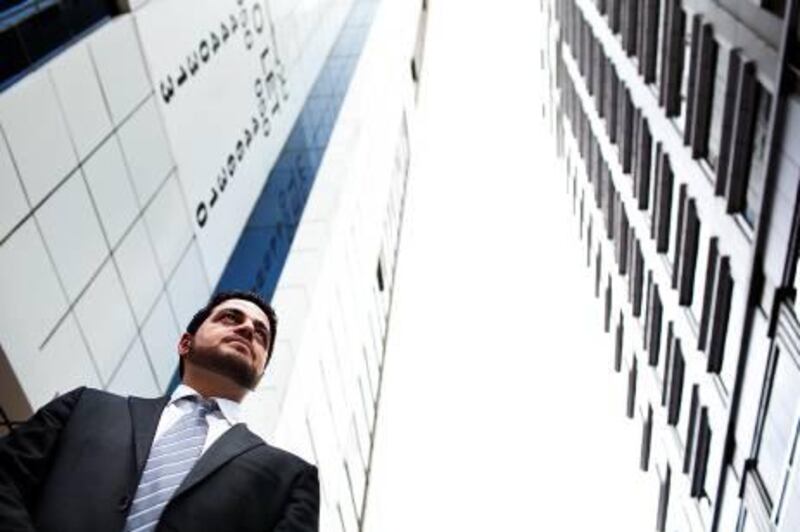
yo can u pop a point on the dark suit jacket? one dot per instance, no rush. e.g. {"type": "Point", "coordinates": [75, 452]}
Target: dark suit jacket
{"type": "Point", "coordinates": [75, 466]}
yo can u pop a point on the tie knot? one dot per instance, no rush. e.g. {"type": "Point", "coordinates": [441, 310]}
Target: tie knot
{"type": "Point", "coordinates": [203, 407]}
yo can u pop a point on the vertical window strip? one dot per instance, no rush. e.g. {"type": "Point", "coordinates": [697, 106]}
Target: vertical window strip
{"type": "Point", "coordinates": [700, 455]}
{"type": "Point", "coordinates": [691, 422]}
{"type": "Point", "coordinates": [600, 81]}
{"type": "Point", "coordinates": [728, 119]}
{"type": "Point", "coordinates": [647, 436]}
{"type": "Point", "coordinates": [679, 234]}
{"type": "Point", "coordinates": [618, 343]}
{"type": "Point", "coordinates": [630, 406]}
{"type": "Point", "coordinates": [597, 270]}
{"type": "Point", "coordinates": [631, 19]}
{"type": "Point", "coordinates": [664, 205]}
{"type": "Point", "coordinates": [674, 60]}
{"type": "Point", "coordinates": [648, 310]}
{"type": "Point", "coordinates": [704, 91]}
{"type": "Point", "coordinates": [667, 373]}
{"type": "Point", "coordinates": [623, 239]}
{"type": "Point", "coordinates": [688, 254]}
{"type": "Point", "coordinates": [608, 306]}
{"type": "Point", "coordinates": [736, 186]}
{"type": "Point", "coordinates": [663, 501]}
{"type": "Point", "coordinates": [611, 102]}
{"type": "Point", "coordinates": [638, 282]}
{"type": "Point", "coordinates": [692, 81]}
{"type": "Point", "coordinates": [650, 38]}
{"type": "Point", "coordinates": [720, 314]}
{"type": "Point", "coordinates": [645, 153]}
{"type": "Point", "coordinates": [675, 391]}
{"type": "Point", "coordinates": [708, 293]}
{"type": "Point", "coordinates": [757, 154]}
{"type": "Point", "coordinates": [627, 132]}
{"type": "Point", "coordinates": [654, 344]}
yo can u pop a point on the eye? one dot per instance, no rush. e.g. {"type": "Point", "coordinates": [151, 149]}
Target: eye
{"type": "Point", "coordinates": [262, 336]}
{"type": "Point", "coordinates": [228, 317]}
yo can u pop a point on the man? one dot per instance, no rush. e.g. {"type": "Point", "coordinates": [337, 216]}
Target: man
{"type": "Point", "coordinates": [91, 460]}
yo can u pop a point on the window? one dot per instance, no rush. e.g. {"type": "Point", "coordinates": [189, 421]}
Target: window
{"type": "Point", "coordinates": [676, 49]}
{"type": "Point", "coordinates": [748, 157]}
{"type": "Point", "coordinates": [663, 500]}
{"type": "Point", "coordinates": [674, 383]}
{"type": "Point", "coordinates": [675, 245]}
{"type": "Point", "coordinates": [618, 339]}
{"type": "Point", "coordinates": [698, 123]}
{"type": "Point", "coordinates": [690, 80]}
{"type": "Point", "coordinates": [650, 39]}
{"type": "Point", "coordinates": [598, 266]}
{"type": "Point", "coordinates": [614, 14]}
{"type": "Point", "coordinates": [647, 436]}
{"type": "Point", "coordinates": [708, 294]}
{"type": "Point", "coordinates": [689, 42]}
{"type": "Point", "coordinates": [690, 426]}
{"type": "Point", "coordinates": [662, 370]}
{"type": "Point", "coordinates": [662, 201]}
{"type": "Point", "coordinates": [637, 280]}
{"type": "Point", "coordinates": [717, 105]}
{"type": "Point", "coordinates": [653, 332]}
{"type": "Point", "coordinates": [758, 154]}
{"type": "Point", "coordinates": [699, 455]}
{"type": "Point", "coordinates": [723, 148]}
{"type": "Point", "coordinates": [379, 275]}
{"type": "Point", "coordinates": [776, 7]}
{"type": "Point", "coordinates": [686, 252]}
{"type": "Point", "coordinates": [622, 238]}
{"type": "Point", "coordinates": [662, 48]}
{"type": "Point", "coordinates": [608, 306]}
{"type": "Point", "coordinates": [647, 308]}
{"type": "Point", "coordinates": [599, 71]}
{"type": "Point", "coordinates": [780, 422]}
{"type": "Point", "coordinates": [610, 96]}
{"type": "Point", "coordinates": [32, 30]}
{"type": "Point", "coordinates": [626, 130]}
{"type": "Point", "coordinates": [716, 326]}
{"type": "Point", "coordinates": [629, 26]}
{"type": "Point", "coordinates": [642, 175]}
{"type": "Point", "coordinates": [631, 402]}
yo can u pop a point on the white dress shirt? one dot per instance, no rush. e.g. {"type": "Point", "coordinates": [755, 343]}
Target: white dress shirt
{"type": "Point", "coordinates": [219, 421]}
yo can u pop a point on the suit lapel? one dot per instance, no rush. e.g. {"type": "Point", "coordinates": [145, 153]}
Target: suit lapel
{"type": "Point", "coordinates": [231, 444]}
{"type": "Point", "coordinates": [145, 414]}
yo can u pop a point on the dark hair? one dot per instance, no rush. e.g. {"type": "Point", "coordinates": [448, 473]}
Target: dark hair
{"type": "Point", "coordinates": [203, 314]}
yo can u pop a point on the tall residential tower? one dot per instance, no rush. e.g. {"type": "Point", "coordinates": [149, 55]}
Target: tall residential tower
{"type": "Point", "coordinates": [678, 123]}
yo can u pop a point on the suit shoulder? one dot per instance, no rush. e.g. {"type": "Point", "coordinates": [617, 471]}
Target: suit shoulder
{"type": "Point", "coordinates": [93, 394]}
{"type": "Point", "coordinates": [287, 459]}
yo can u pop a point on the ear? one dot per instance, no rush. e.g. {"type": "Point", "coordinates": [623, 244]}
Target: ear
{"type": "Point", "coordinates": [185, 344]}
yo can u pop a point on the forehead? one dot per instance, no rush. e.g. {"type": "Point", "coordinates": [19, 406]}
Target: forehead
{"type": "Point", "coordinates": [247, 307]}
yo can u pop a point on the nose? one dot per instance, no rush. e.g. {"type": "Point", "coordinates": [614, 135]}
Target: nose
{"type": "Point", "coordinates": [246, 329]}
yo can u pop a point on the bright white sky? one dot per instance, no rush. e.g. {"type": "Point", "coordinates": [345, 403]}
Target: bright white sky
{"type": "Point", "coordinates": [499, 410]}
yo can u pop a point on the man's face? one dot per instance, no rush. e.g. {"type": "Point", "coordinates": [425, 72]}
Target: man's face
{"type": "Point", "coordinates": [233, 341]}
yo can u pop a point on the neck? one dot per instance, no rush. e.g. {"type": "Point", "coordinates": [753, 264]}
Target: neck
{"type": "Point", "coordinates": [210, 384]}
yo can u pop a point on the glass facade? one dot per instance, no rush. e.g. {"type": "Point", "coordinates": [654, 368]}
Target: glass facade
{"type": "Point", "coordinates": [260, 253]}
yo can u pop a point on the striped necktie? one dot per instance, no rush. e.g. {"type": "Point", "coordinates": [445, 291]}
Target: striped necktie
{"type": "Point", "coordinates": [170, 460]}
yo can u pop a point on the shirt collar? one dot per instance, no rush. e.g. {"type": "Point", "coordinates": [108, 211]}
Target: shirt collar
{"type": "Point", "coordinates": [231, 410]}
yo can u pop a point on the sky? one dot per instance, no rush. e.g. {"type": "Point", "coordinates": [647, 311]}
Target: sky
{"type": "Point", "coordinates": [499, 408]}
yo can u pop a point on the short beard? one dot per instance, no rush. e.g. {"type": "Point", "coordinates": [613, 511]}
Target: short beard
{"type": "Point", "coordinates": [230, 366]}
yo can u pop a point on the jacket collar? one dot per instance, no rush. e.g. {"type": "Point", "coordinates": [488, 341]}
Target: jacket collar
{"type": "Point", "coordinates": [236, 440]}
{"type": "Point", "coordinates": [145, 414]}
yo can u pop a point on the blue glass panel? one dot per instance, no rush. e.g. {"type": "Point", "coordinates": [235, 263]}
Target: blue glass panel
{"type": "Point", "coordinates": [261, 251]}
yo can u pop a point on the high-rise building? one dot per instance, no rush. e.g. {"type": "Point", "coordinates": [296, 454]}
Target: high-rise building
{"type": "Point", "coordinates": [152, 152]}
{"type": "Point", "coordinates": [678, 123]}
